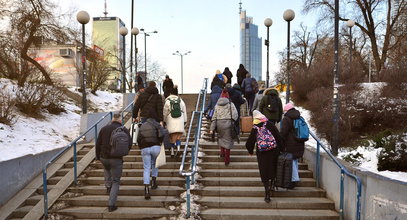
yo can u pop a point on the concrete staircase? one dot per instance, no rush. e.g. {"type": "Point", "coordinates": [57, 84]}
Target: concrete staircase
{"type": "Point", "coordinates": [236, 192]}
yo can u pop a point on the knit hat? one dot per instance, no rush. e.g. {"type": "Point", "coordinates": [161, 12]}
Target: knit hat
{"type": "Point", "coordinates": [288, 106]}
{"type": "Point", "coordinates": [224, 94]}
{"type": "Point", "coordinates": [218, 72]}
{"type": "Point", "coordinates": [258, 117]}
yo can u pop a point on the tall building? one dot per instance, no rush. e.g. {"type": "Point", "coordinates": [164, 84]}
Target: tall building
{"type": "Point", "coordinates": [106, 35]}
{"type": "Point", "coordinates": [250, 46]}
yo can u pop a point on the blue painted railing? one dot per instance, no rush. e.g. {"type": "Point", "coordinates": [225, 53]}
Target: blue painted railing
{"type": "Point", "coordinates": [73, 144]}
{"type": "Point", "coordinates": [189, 174]}
{"type": "Point", "coordinates": [343, 172]}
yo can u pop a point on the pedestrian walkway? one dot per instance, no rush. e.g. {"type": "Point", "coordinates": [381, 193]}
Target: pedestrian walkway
{"type": "Point", "coordinates": [236, 192]}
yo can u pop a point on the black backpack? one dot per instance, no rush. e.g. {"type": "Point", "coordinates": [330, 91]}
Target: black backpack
{"type": "Point", "coordinates": [273, 103]}
{"type": "Point", "coordinates": [254, 85]}
{"type": "Point", "coordinates": [119, 142]}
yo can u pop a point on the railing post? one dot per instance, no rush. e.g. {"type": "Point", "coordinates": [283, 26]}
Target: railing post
{"type": "Point", "coordinates": [96, 133]}
{"type": "Point", "coordinates": [341, 195]}
{"type": "Point", "coordinates": [318, 164]}
{"type": "Point", "coordinates": [74, 164]}
{"type": "Point", "coordinates": [358, 199]}
{"type": "Point", "coordinates": [188, 196]}
{"type": "Point", "coordinates": [44, 186]}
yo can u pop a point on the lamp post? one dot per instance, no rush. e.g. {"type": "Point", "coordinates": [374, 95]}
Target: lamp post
{"type": "Point", "coordinates": [145, 47]}
{"type": "Point", "coordinates": [83, 18]}
{"type": "Point", "coordinates": [182, 67]}
{"type": "Point", "coordinates": [288, 16]}
{"type": "Point", "coordinates": [131, 46]}
{"type": "Point", "coordinates": [267, 22]}
{"type": "Point", "coordinates": [135, 31]}
{"type": "Point", "coordinates": [350, 23]}
{"type": "Point", "coordinates": [123, 31]}
{"type": "Point", "coordinates": [335, 103]}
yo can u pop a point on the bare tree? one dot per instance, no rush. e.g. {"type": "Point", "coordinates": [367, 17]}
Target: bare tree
{"type": "Point", "coordinates": [370, 20]}
{"type": "Point", "coordinates": [30, 20]}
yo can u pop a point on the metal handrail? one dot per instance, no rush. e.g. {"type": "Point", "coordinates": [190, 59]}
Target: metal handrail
{"type": "Point", "coordinates": [194, 148]}
{"type": "Point", "coordinates": [74, 143]}
{"type": "Point", "coordinates": [343, 171]}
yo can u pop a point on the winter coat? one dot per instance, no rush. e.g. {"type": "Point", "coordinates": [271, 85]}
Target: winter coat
{"type": "Point", "coordinates": [168, 85]}
{"type": "Point", "coordinates": [150, 134]}
{"type": "Point", "coordinates": [236, 97]}
{"type": "Point", "coordinates": [218, 82]}
{"type": "Point", "coordinates": [229, 75]}
{"type": "Point", "coordinates": [252, 139]}
{"type": "Point", "coordinates": [287, 132]}
{"type": "Point", "coordinates": [216, 91]}
{"type": "Point", "coordinates": [257, 99]}
{"type": "Point", "coordinates": [149, 109]}
{"type": "Point", "coordinates": [222, 123]}
{"type": "Point", "coordinates": [241, 74]}
{"type": "Point", "coordinates": [174, 124]}
{"type": "Point", "coordinates": [103, 141]}
{"type": "Point", "coordinates": [247, 84]}
{"type": "Point", "coordinates": [274, 116]}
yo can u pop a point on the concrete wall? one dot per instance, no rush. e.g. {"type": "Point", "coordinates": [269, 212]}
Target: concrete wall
{"type": "Point", "coordinates": [18, 172]}
{"type": "Point", "coordinates": [382, 198]}
{"type": "Point", "coordinates": [127, 99]}
{"type": "Point", "coordinates": [90, 119]}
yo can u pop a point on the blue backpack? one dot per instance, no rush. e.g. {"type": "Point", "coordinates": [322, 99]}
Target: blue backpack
{"type": "Point", "coordinates": [301, 129]}
{"type": "Point", "coordinates": [265, 140]}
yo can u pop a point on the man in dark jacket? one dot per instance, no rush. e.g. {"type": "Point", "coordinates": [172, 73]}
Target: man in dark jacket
{"type": "Point", "coordinates": [113, 166]}
{"type": "Point", "coordinates": [150, 104]}
{"type": "Point", "coordinates": [292, 146]}
{"type": "Point", "coordinates": [168, 85]}
{"type": "Point", "coordinates": [271, 105]}
{"type": "Point", "coordinates": [241, 74]}
{"type": "Point", "coordinates": [228, 74]}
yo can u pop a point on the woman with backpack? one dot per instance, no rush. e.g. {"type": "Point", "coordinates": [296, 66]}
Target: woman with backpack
{"type": "Point", "coordinates": [175, 117]}
{"type": "Point", "coordinates": [223, 121]}
{"type": "Point", "coordinates": [292, 144]}
{"type": "Point", "coordinates": [268, 142]}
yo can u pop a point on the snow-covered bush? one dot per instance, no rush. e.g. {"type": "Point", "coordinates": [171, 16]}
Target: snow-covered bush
{"type": "Point", "coordinates": [7, 104]}
{"type": "Point", "coordinates": [393, 157]}
{"type": "Point", "coordinates": [30, 98]}
{"type": "Point", "coordinates": [53, 100]}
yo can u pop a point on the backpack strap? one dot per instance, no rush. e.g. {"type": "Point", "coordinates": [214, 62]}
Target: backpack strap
{"type": "Point", "coordinates": [148, 100]}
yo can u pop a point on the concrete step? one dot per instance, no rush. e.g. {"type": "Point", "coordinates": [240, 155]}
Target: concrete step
{"type": "Point", "coordinates": [216, 152]}
{"type": "Point", "coordinates": [161, 181]}
{"type": "Point", "coordinates": [238, 165]}
{"type": "Point", "coordinates": [263, 214]}
{"type": "Point", "coordinates": [131, 165]}
{"type": "Point", "coordinates": [243, 173]}
{"type": "Point", "coordinates": [246, 181]}
{"type": "Point", "coordinates": [126, 190]}
{"type": "Point", "coordinates": [258, 202]}
{"type": "Point", "coordinates": [21, 211]}
{"type": "Point", "coordinates": [90, 212]}
{"type": "Point", "coordinates": [230, 191]}
{"type": "Point", "coordinates": [123, 201]}
{"type": "Point", "coordinates": [233, 158]}
{"type": "Point", "coordinates": [134, 173]}
{"type": "Point", "coordinates": [214, 145]}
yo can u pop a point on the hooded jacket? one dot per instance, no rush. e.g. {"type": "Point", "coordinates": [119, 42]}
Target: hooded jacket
{"type": "Point", "coordinates": [152, 108]}
{"type": "Point", "coordinates": [174, 124]}
{"type": "Point", "coordinates": [287, 132]}
{"type": "Point", "coordinates": [274, 116]}
{"type": "Point", "coordinates": [222, 111]}
{"type": "Point", "coordinates": [216, 91]}
{"type": "Point", "coordinates": [241, 74]}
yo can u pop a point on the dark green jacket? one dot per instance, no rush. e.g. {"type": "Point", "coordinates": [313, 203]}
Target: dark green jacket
{"type": "Point", "coordinates": [274, 116]}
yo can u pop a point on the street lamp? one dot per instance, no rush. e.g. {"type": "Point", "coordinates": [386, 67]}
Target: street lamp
{"type": "Point", "coordinates": [335, 103]}
{"type": "Point", "coordinates": [182, 68]}
{"type": "Point", "coordinates": [135, 31]}
{"type": "Point", "coordinates": [350, 23]}
{"type": "Point", "coordinates": [83, 18]}
{"type": "Point", "coordinates": [267, 22]}
{"type": "Point", "coordinates": [123, 31]}
{"type": "Point", "coordinates": [288, 16]}
{"type": "Point", "coordinates": [145, 47]}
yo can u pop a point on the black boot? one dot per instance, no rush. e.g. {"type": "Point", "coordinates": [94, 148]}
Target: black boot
{"type": "Point", "coordinates": [154, 183]}
{"type": "Point", "coordinates": [267, 192]}
{"type": "Point", "coordinates": [146, 191]}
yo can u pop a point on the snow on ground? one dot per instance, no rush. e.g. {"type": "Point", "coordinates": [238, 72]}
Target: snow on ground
{"type": "Point", "coordinates": [32, 136]}
{"type": "Point", "coordinates": [369, 153]}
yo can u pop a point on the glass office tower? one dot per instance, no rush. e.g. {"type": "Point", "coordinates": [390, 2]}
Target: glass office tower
{"type": "Point", "coordinates": [250, 46]}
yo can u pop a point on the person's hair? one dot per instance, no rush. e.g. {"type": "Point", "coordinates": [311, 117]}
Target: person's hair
{"type": "Point", "coordinates": [117, 116]}
{"type": "Point", "coordinates": [151, 84]}
{"type": "Point", "coordinates": [174, 91]}
{"type": "Point", "coordinates": [167, 76]}
{"type": "Point", "coordinates": [228, 85]}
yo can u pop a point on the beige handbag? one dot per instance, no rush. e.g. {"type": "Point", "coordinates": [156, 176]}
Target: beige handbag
{"type": "Point", "coordinates": [161, 160]}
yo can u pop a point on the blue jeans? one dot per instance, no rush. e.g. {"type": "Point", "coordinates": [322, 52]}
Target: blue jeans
{"type": "Point", "coordinates": [113, 172]}
{"type": "Point", "coordinates": [150, 155]}
{"type": "Point", "coordinates": [295, 177]}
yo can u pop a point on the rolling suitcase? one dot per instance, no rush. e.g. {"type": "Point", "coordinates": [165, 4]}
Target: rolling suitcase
{"type": "Point", "coordinates": [284, 170]}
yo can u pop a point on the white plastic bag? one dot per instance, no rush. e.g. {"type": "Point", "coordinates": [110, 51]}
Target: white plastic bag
{"type": "Point", "coordinates": [134, 129]}
{"type": "Point", "coordinates": [161, 160]}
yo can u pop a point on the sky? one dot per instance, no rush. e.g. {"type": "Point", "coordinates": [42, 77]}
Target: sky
{"type": "Point", "coordinates": [209, 29]}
